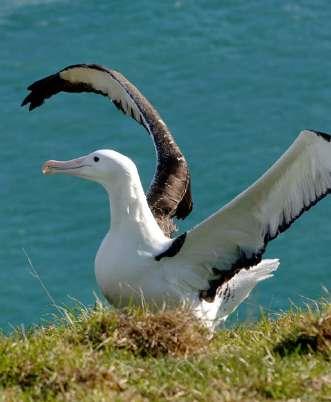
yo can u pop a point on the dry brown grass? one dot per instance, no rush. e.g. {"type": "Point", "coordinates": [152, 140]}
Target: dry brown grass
{"type": "Point", "coordinates": [145, 333]}
{"type": "Point", "coordinates": [174, 333]}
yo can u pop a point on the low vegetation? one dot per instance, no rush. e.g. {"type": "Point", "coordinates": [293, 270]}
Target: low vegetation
{"type": "Point", "coordinates": [136, 355]}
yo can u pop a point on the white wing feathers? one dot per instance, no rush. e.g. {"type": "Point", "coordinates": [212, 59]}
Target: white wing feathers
{"type": "Point", "coordinates": [235, 237]}
{"type": "Point", "coordinates": [109, 83]}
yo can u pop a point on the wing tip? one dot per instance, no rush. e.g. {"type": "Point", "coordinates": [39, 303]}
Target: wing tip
{"type": "Point", "coordinates": [32, 101]}
{"type": "Point", "coordinates": [25, 101]}
{"type": "Point", "coordinates": [325, 136]}
{"type": "Point", "coordinates": [41, 90]}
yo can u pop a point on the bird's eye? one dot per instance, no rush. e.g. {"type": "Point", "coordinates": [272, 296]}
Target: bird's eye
{"type": "Point", "coordinates": [96, 159]}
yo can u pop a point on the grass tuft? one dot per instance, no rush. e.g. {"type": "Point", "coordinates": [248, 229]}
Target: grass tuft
{"type": "Point", "coordinates": [173, 333]}
{"type": "Point", "coordinates": [144, 333]}
{"type": "Point", "coordinates": [312, 333]}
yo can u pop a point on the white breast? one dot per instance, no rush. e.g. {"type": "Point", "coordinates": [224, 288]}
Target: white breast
{"type": "Point", "coordinates": [126, 269]}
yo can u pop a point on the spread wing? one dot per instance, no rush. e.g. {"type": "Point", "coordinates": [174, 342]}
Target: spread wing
{"type": "Point", "coordinates": [169, 194]}
{"type": "Point", "coordinates": [236, 236]}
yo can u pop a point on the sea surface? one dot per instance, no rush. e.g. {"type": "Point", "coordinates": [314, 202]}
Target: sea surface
{"type": "Point", "coordinates": [236, 81]}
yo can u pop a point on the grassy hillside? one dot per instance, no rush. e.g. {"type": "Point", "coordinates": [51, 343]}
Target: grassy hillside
{"type": "Point", "coordinates": [103, 355]}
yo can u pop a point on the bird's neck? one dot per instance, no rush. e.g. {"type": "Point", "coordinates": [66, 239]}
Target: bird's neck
{"type": "Point", "coordinates": [129, 210]}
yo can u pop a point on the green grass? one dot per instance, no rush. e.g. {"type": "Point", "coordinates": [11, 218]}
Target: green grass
{"type": "Point", "coordinates": [104, 355]}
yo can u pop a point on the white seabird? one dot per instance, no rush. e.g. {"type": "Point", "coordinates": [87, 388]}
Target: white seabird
{"type": "Point", "coordinates": [215, 265]}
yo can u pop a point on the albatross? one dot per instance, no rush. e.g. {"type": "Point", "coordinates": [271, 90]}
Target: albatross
{"type": "Point", "coordinates": [214, 266]}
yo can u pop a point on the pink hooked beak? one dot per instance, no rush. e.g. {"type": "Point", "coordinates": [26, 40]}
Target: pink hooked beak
{"type": "Point", "coordinates": [68, 167]}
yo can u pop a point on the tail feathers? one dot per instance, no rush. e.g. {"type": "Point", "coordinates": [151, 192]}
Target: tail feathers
{"type": "Point", "coordinates": [259, 272]}
{"type": "Point", "coordinates": [232, 293]}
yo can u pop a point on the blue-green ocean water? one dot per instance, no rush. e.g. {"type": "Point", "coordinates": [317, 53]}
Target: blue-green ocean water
{"type": "Point", "coordinates": [235, 81]}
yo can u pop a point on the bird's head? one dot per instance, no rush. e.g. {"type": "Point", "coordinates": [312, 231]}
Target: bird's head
{"type": "Point", "coordinates": [103, 166]}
